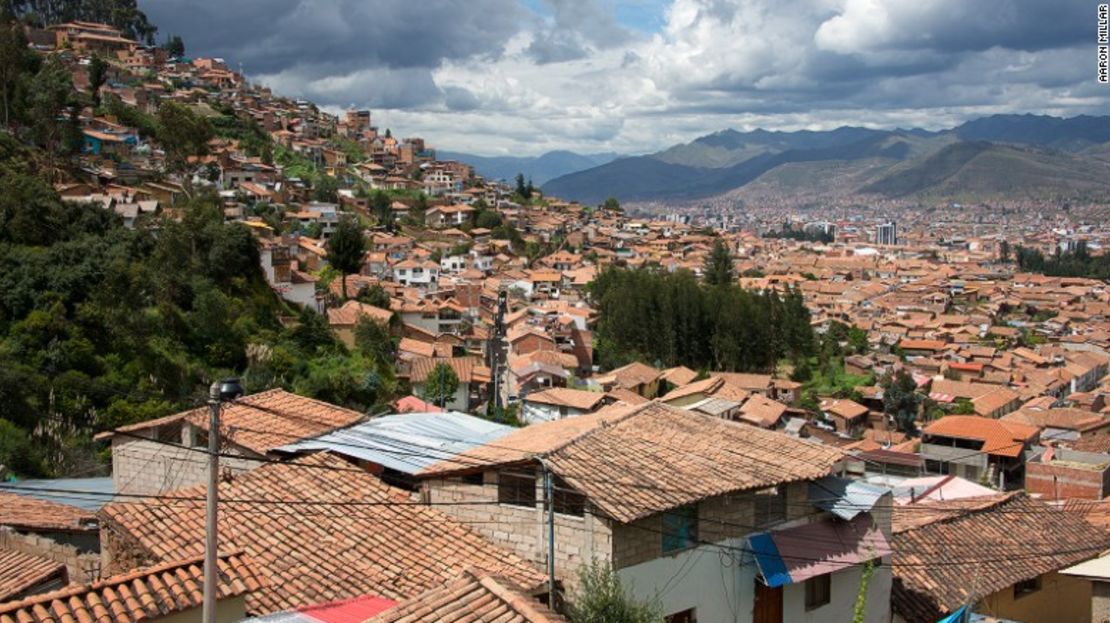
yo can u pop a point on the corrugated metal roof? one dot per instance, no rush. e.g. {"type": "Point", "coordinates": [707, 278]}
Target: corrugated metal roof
{"type": "Point", "coordinates": [844, 497]}
{"type": "Point", "coordinates": [407, 442]}
{"type": "Point", "coordinates": [87, 493]}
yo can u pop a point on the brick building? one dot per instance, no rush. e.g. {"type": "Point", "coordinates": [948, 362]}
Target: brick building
{"type": "Point", "coordinates": [169, 453]}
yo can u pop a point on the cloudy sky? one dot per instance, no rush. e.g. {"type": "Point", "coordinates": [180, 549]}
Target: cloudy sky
{"type": "Point", "coordinates": [522, 77]}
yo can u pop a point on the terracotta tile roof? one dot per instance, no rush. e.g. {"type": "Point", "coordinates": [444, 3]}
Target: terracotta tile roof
{"type": "Point", "coordinates": [745, 381]}
{"type": "Point", "coordinates": [976, 545]}
{"type": "Point", "coordinates": [1092, 443]}
{"type": "Point", "coordinates": [311, 549]}
{"type": "Point", "coordinates": [679, 376]}
{"type": "Point", "coordinates": [631, 375]}
{"type": "Point", "coordinates": [468, 369]}
{"type": "Point", "coordinates": [627, 396]}
{"type": "Point", "coordinates": [992, 401]}
{"type": "Point", "coordinates": [471, 598]}
{"type": "Point", "coordinates": [704, 386]}
{"type": "Point", "coordinates": [26, 512]}
{"type": "Point", "coordinates": [999, 437]}
{"type": "Point", "coordinates": [658, 457]}
{"type": "Point", "coordinates": [134, 596]}
{"type": "Point", "coordinates": [960, 389]}
{"type": "Point", "coordinates": [1096, 512]}
{"type": "Point", "coordinates": [563, 396]}
{"type": "Point", "coordinates": [762, 411]}
{"type": "Point", "coordinates": [921, 345]}
{"type": "Point", "coordinates": [266, 420]}
{"type": "Point", "coordinates": [521, 444]}
{"type": "Point", "coordinates": [350, 312]}
{"type": "Point", "coordinates": [1067, 419]}
{"type": "Point", "coordinates": [843, 407]}
{"type": "Point", "coordinates": [20, 572]}
{"type": "Point", "coordinates": [416, 347]}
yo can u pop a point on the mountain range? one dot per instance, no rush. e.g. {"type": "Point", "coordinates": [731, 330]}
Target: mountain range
{"type": "Point", "coordinates": [540, 169]}
{"type": "Point", "coordinates": [1001, 155]}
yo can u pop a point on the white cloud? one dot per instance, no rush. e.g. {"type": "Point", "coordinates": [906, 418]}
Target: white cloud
{"type": "Point", "coordinates": [490, 76]}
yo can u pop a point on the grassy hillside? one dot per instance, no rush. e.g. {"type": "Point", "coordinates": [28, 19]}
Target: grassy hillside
{"type": "Point", "coordinates": [981, 168]}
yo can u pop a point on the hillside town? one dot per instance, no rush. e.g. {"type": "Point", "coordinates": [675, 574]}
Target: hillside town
{"type": "Point", "coordinates": [929, 441]}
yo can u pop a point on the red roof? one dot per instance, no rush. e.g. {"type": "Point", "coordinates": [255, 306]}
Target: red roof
{"type": "Point", "coordinates": [412, 404]}
{"type": "Point", "coordinates": [355, 610]}
{"type": "Point", "coordinates": [999, 437]}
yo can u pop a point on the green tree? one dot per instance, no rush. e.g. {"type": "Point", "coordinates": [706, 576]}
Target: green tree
{"type": "Point", "coordinates": [381, 207]}
{"type": "Point", "coordinates": [602, 599]}
{"type": "Point", "coordinates": [372, 339]}
{"type": "Point", "coordinates": [16, 63]}
{"type": "Point", "coordinates": [374, 295]}
{"type": "Point", "coordinates": [488, 219]}
{"type": "Point", "coordinates": [901, 401]}
{"type": "Point", "coordinates": [718, 269]}
{"type": "Point", "coordinates": [98, 75]}
{"type": "Point", "coordinates": [182, 133]}
{"type": "Point", "coordinates": [857, 340]}
{"type": "Point", "coordinates": [963, 406]}
{"type": "Point", "coordinates": [50, 92]}
{"type": "Point", "coordinates": [326, 188]}
{"type": "Point", "coordinates": [441, 384]}
{"type": "Point", "coordinates": [175, 46]}
{"type": "Point", "coordinates": [611, 204]}
{"type": "Point", "coordinates": [1004, 251]}
{"type": "Point", "coordinates": [346, 248]}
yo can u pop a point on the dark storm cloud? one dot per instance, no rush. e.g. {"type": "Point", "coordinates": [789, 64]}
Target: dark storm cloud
{"type": "Point", "coordinates": [330, 50]}
{"type": "Point", "coordinates": [272, 35]}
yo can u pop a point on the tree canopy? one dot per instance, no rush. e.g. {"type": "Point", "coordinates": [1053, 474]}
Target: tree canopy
{"type": "Point", "coordinates": [673, 319]}
{"type": "Point", "coordinates": [441, 384]}
{"type": "Point", "coordinates": [346, 248]}
{"type": "Point", "coordinates": [901, 401]}
{"type": "Point", "coordinates": [718, 265]}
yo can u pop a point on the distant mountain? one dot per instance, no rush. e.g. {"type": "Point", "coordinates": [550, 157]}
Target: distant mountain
{"type": "Point", "coordinates": [980, 168]}
{"type": "Point", "coordinates": [1003, 154]}
{"type": "Point", "coordinates": [540, 168]}
{"type": "Point", "coordinates": [1071, 134]}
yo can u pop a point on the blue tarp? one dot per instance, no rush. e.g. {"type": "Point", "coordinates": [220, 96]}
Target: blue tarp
{"type": "Point", "coordinates": [770, 562]}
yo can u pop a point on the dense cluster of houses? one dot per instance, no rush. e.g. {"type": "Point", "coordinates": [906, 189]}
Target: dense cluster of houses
{"type": "Point", "coordinates": [717, 495]}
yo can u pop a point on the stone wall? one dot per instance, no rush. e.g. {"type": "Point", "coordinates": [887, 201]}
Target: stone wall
{"type": "Point", "coordinates": [151, 467]}
{"type": "Point", "coordinates": [81, 566]}
{"type": "Point", "coordinates": [524, 530]}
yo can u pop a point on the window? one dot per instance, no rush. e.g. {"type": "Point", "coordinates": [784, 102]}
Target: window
{"type": "Point", "coordinates": [473, 479]}
{"type": "Point", "coordinates": [770, 505]}
{"type": "Point", "coordinates": [1026, 587]}
{"type": "Point", "coordinates": [680, 529]}
{"type": "Point", "coordinates": [818, 591]}
{"type": "Point", "coordinates": [517, 488]}
{"type": "Point", "coordinates": [567, 500]}
{"type": "Point", "coordinates": [686, 616]}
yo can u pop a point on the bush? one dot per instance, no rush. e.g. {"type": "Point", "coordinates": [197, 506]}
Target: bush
{"type": "Point", "coordinates": [602, 599]}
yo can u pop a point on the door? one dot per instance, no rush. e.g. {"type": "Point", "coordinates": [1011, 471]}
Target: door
{"type": "Point", "coordinates": [768, 604]}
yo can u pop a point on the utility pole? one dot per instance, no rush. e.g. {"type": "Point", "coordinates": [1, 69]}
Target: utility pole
{"type": "Point", "coordinates": [549, 497]}
{"type": "Point", "coordinates": [494, 347]}
{"type": "Point", "coordinates": [228, 389]}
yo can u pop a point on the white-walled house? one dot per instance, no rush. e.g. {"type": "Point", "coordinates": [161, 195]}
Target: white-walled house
{"type": "Point", "coordinates": [719, 522]}
{"type": "Point", "coordinates": [416, 273]}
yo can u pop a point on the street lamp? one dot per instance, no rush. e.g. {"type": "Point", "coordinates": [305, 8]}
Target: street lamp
{"type": "Point", "coordinates": [219, 393]}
